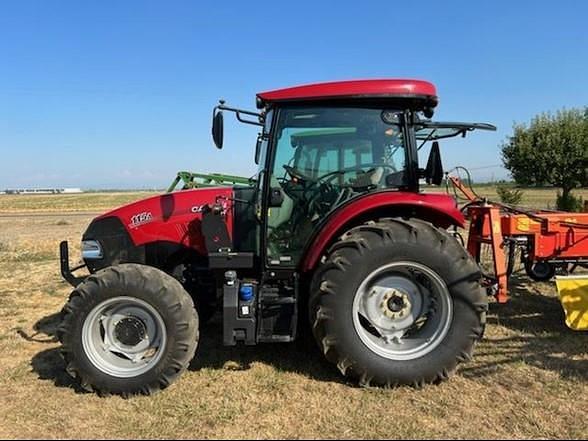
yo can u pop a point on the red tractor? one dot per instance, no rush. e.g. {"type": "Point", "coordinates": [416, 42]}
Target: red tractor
{"type": "Point", "coordinates": [333, 230]}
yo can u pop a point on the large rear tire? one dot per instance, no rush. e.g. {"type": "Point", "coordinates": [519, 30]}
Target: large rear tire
{"type": "Point", "coordinates": [128, 329]}
{"type": "Point", "coordinates": [397, 302]}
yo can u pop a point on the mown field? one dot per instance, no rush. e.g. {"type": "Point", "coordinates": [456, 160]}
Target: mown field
{"type": "Point", "coordinates": [529, 377]}
{"type": "Point", "coordinates": [94, 202]}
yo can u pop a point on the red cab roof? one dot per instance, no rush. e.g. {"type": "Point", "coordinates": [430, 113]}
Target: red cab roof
{"type": "Point", "coordinates": [382, 88]}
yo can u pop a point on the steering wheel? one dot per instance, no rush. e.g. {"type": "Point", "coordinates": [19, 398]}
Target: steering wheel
{"type": "Point", "coordinates": [297, 174]}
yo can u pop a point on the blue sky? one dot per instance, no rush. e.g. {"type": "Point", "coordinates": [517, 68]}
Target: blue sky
{"type": "Point", "coordinates": [119, 93]}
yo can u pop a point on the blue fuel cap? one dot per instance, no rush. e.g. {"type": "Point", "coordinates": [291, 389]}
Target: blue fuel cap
{"type": "Point", "coordinates": [246, 292]}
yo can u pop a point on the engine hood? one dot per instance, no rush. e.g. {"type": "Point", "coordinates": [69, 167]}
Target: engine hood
{"type": "Point", "coordinates": [170, 217]}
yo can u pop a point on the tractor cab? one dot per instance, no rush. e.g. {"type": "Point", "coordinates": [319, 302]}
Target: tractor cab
{"type": "Point", "coordinates": [323, 146]}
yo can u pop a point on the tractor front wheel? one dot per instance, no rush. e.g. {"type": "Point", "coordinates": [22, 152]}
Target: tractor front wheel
{"type": "Point", "coordinates": [128, 329]}
{"type": "Point", "coordinates": [397, 302]}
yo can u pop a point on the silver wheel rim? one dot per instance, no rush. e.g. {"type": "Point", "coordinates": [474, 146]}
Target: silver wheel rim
{"type": "Point", "coordinates": [124, 337]}
{"type": "Point", "coordinates": [402, 311]}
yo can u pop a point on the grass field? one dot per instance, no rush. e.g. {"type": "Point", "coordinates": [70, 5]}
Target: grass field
{"type": "Point", "coordinates": [529, 377]}
{"type": "Point", "coordinates": [96, 202]}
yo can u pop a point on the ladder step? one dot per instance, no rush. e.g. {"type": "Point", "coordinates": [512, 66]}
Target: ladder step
{"type": "Point", "coordinates": [275, 339]}
{"type": "Point", "coordinates": [277, 300]}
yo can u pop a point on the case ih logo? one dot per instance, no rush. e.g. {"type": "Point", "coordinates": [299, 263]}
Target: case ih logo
{"type": "Point", "coordinates": [141, 218]}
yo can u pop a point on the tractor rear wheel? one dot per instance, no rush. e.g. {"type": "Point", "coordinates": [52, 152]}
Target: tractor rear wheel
{"type": "Point", "coordinates": [128, 329]}
{"type": "Point", "coordinates": [397, 302]}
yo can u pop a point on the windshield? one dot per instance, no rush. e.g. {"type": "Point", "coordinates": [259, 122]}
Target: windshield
{"type": "Point", "coordinates": [324, 157]}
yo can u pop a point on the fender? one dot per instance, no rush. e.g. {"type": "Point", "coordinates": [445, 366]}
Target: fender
{"type": "Point", "coordinates": [437, 208]}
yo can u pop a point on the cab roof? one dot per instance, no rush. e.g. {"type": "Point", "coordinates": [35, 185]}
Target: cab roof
{"type": "Point", "coordinates": [416, 91]}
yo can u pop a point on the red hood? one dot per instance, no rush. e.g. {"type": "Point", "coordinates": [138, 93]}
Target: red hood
{"type": "Point", "coordinates": [172, 217]}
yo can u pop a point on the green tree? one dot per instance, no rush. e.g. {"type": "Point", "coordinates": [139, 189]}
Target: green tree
{"type": "Point", "coordinates": [551, 150]}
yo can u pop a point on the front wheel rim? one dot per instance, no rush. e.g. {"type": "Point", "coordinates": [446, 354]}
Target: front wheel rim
{"type": "Point", "coordinates": [124, 337]}
{"type": "Point", "coordinates": [402, 311]}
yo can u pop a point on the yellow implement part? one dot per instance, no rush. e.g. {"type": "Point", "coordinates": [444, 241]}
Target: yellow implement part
{"type": "Point", "coordinates": [573, 294]}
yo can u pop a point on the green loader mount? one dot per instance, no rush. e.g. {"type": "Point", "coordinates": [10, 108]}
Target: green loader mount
{"type": "Point", "coordinates": [198, 180]}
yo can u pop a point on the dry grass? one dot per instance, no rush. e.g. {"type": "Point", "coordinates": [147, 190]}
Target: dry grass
{"type": "Point", "coordinates": [529, 378]}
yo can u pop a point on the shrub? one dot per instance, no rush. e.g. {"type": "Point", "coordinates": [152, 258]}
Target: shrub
{"type": "Point", "coordinates": [569, 202]}
{"type": "Point", "coordinates": [508, 194]}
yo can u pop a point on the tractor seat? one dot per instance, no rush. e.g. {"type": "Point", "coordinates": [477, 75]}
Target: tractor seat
{"type": "Point", "coordinates": [370, 178]}
{"type": "Point", "coordinates": [376, 176]}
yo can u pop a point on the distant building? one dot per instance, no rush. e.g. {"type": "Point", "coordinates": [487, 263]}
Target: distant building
{"type": "Point", "coordinates": [42, 191]}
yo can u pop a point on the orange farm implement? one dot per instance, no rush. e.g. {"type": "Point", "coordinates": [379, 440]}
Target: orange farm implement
{"type": "Point", "coordinates": [550, 241]}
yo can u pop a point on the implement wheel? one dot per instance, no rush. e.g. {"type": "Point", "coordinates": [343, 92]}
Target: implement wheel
{"type": "Point", "coordinates": [540, 271]}
{"type": "Point", "coordinates": [397, 302]}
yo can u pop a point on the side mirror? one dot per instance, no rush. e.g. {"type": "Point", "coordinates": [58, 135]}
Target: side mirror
{"type": "Point", "coordinates": [218, 128]}
{"type": "Point", "coordinates": [434, 170]}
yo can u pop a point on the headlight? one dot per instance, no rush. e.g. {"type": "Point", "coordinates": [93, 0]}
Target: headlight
{"type": "Point", "coordinates": [91, 249]}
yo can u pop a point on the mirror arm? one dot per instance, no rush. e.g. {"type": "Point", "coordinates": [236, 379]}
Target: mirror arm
{"type": "Point", "coordinates": [246, 121]}
{"type": "Point", "coordinates": [239, 112]}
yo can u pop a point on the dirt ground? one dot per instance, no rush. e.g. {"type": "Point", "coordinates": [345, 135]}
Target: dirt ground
{"type": "Point", "coordinates": [529, 377]}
